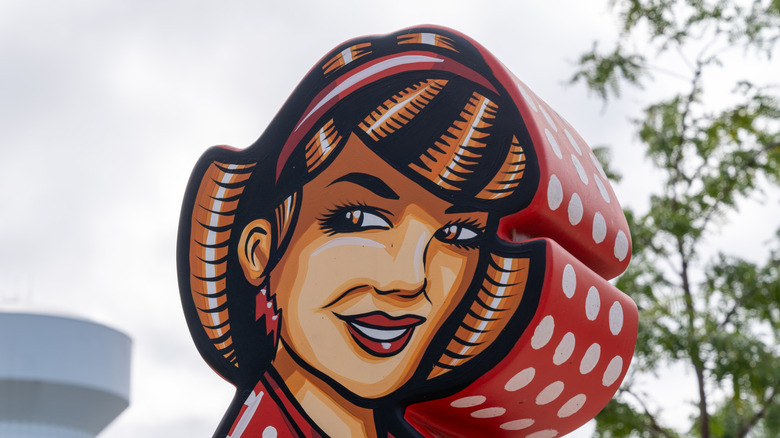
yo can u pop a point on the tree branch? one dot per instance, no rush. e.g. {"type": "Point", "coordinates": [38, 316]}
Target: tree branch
{"type": "Point", "coordinates": [735, 307]}
{"type": "Point", "coordinates": [730, 314]}
{"type": "Point", "coordinates": [745, 429]}
{"type": "Point", "coordinates": [653, 423]}
{"type": "Point", "coordinates": [689, 99]}
{"type": "Point", "coordinates": [730, 187]}
{"type": "Point", "coordinates": [694, 352]}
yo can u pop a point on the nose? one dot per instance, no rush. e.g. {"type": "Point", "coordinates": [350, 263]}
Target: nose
{"type": "Point", "coordinates": [404, 273]}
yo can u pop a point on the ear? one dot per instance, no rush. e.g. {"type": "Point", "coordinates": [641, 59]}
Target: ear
{"type": "Point", "coordinates": [254, 250]}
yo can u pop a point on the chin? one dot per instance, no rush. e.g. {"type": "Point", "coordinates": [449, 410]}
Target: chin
{"type": "Point", "coordinates": [373, 380]}
{"type": "Point", "coordinates": [375, 390]}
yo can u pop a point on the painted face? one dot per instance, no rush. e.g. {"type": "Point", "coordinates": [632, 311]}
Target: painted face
{"type": "Point", "coordinates": [375, 265]}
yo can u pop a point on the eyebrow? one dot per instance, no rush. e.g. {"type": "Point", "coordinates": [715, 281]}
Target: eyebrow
{"type": "Point", "coordinates": [455, 209]}
{"type": "Point", "coordinates": [370, 182]}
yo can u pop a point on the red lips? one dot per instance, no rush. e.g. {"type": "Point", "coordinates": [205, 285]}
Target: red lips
{"type": "Point", "coordinates": [380, 334]}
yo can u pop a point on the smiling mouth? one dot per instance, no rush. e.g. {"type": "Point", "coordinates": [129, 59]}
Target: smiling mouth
{"type": "Point", "coordinates": [380, 334]}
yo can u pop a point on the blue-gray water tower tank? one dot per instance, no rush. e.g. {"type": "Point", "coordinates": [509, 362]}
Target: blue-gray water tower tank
{"type": "Point", "coordinates": [60, 377]}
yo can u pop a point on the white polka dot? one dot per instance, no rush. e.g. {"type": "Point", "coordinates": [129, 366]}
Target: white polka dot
{"type": "Point", "coordinates": [564, 349]}
{"type": "Point", "coordinates": [590, 359]}
{"type": "Point", "coordinates": [488, 413]}
{"type": "Point", "coordinates": [621, 245]}
{"type": "Point", "coordinates": [592, 303]}
{"type": "Point", "coordinates": [527, 96]}
{"type": "Point", "coordinates": [550, 393]}
{"type": "Point", "coordinates": [575, 209]}
{"type": "Point", "coordinates": [602, 189]}
{"type": "Point", "coordinates": [615, 318]}
{"type": "Point", "coordinates": [599, 228]}
{"type": "Point", "coordinates": [569, 282]}
{"type": "Point", "coordinates": [572, 141]}
{"type": "Point", "coordinates": [572, 406]}
{"type": "Point", "coordinates": [543, 332]}
{"type": "Point", "coordinates": [554, 193]}
{"type": "Point", "coordinates": [548, 118]}
{"type": "Point", "coordinates": [269, 432]}
{"type": "Point", "coordinates": [597, 165]}
{"type": "Point", "coordinates": [468, 402]}
{"type": "Point", "coordinates": [547, 433]}
{"type": "Point", "coordinates": [520, 380]}
{"type": "Point", "coordinates": [613, 371]}
{"type": "Point", "coordinates": [580, 169]}
{"type": "Point", "coordinates": [553, 143]}
{"type": "Point", "coordinates": [517, 424]}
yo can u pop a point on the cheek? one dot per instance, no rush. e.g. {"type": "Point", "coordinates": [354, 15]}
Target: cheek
{"type": "Point", "coordinates": [450, 274]}
{"type": "Point", "coordinates": [336, 264]}
{"type": "Point", "coordinates": [311, 275]}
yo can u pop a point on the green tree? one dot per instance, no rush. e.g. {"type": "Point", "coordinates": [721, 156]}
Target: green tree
{"type": "Point", "coordinates": [718, 314]}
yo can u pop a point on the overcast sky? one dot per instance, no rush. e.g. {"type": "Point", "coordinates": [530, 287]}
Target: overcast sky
{"type": "Point", "coordinates": [105, 107]}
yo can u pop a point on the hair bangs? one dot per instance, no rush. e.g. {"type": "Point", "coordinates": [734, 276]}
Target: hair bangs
{"type": "Point", "coordinates": [460, 141]}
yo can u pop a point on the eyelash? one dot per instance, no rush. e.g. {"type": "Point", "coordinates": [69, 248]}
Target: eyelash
{"type": "Point", "coordinates": [329, 224]}
{"type": "Point", "coordinates": [471, 224]}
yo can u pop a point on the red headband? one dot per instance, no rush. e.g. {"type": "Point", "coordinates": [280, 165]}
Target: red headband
{"type": "Point", "coordinates": [365, 75]}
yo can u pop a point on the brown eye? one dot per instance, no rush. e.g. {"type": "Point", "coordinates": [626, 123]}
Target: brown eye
{"type": "Point", "coordinates": [460, 235]}
{"type": "Point", "coordinates": [449, 233]}
{"type": "Point", "coordinates": [354, 219]}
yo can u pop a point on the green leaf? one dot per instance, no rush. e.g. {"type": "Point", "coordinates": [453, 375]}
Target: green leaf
{"type": "Point", "coordinates": [603, 73]}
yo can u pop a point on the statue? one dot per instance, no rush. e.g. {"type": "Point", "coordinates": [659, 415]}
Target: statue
{"type": "Point", "coordinates": [416, 246]}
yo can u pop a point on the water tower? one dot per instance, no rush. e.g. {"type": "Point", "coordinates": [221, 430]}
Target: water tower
{"type": "Point", "coordinates": [60, 377]}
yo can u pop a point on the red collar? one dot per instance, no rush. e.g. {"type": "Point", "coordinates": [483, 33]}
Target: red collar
{"type": "Point", "coordinates": [270, 411]}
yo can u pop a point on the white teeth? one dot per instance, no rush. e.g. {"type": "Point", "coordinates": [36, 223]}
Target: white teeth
{"type": "Point", "coordinates": [379, 334]}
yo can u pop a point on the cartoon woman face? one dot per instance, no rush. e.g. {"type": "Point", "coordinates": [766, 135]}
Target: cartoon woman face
{"type": "Point", "coordinates": [375, 265]}
{"type": "Point", "coordinates": [364, 294]}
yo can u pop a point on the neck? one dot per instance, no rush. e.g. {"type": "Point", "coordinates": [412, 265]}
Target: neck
{"type": "Point", "coordinates": [334, 414]}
